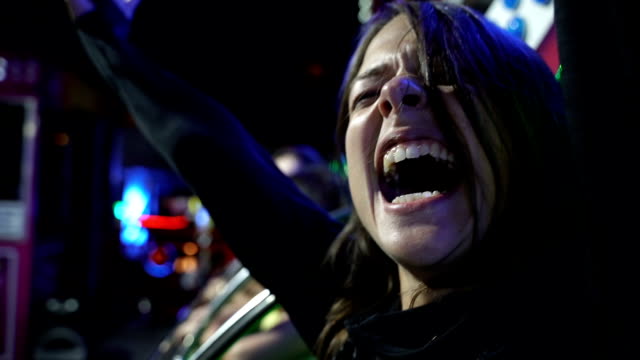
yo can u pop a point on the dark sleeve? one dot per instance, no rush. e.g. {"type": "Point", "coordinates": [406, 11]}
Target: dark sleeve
{"type": "Point", "coordinates": [279, 234]}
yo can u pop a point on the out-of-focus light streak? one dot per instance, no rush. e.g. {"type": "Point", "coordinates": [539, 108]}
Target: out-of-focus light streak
{"type": "Point", "coordinates": [163, 222]}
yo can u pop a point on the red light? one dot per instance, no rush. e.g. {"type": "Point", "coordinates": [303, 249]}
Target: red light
{"type": "Point", "coordinates": [164, 222]}
{"type": "Point", "coordinates": [316, 70]}
{"type": "Point", "coordinates": [159, 256]}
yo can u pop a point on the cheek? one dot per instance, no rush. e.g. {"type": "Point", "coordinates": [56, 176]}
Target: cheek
{"type": "Point", "coordinates": [360, 142]}
{"type": "Point", "coordinates": [355, 149]}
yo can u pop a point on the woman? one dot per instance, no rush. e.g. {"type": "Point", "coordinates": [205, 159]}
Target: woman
{"type": "Point", "coordinates": [459, 172]}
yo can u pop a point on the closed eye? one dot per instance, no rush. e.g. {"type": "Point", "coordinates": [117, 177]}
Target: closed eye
{"type": "Point", "coordinates": [365, 98]}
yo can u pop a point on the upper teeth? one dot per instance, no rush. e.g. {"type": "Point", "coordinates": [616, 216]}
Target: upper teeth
{"type": "Point", "coordinates": [415, 149]}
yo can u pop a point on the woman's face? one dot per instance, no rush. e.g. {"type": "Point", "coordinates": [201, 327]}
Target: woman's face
{"type": "Point", "coordinates": [403, 175]}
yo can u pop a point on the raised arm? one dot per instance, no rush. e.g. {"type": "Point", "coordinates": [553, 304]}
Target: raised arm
{"type": "Point", "coordinates": [279, 234]}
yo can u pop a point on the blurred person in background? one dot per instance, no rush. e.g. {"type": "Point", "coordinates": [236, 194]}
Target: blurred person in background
{"type": "Point", "coordinates": [273, 336]}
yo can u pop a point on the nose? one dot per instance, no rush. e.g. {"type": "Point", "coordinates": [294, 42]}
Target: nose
{"type": "Point", "coordinates": [401, 91]}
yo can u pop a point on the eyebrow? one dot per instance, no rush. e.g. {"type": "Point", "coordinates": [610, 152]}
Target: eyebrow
{"type": "Point", "coordinates": [375, 71]}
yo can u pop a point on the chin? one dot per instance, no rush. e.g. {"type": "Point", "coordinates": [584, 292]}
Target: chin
{"type": "Point", "coordinates": [428, 258]}
{"type": "Point", "coordinates": [418, 254]}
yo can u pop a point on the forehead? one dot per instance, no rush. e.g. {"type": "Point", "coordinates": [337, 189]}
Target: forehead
{"type": "Point", "coordinates": [396, 41]}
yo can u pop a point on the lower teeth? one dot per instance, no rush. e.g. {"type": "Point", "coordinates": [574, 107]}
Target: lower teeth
{"type": "Point", "coordinates": [414, 196]}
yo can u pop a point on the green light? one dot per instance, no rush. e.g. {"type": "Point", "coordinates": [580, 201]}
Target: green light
{"type": "Point", "coordinates": [118, 209]}
{"type": "Point", "coordinates": [339, 166]}
{"type": "Point", "coordinates": [559, 72]}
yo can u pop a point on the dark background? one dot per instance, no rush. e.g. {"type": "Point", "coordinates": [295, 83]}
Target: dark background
{"type": "Point", "coordinates": [277, 65]}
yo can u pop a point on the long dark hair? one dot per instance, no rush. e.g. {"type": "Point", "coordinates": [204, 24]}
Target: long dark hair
{"type": "Point", "coordinates": [502, 85]}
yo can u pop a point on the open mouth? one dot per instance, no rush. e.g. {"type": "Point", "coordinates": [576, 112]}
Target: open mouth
{"type": "Point", "coordinates": [417, 170]}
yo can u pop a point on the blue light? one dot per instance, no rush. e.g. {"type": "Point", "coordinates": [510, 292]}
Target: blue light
{"type": "Point", "coordinates": [517, 27]}
{"type": "Point", "coordinates": [135, 195]}
{"type": "Point", "coordinates": [134, 203]}
{"type": "Point", "coordinates": [511, 4]}
{"type": "Point", "coordinates": [133, 235]}
{"type": "Point", "coordinates": [183, 313]}
{"type": "Point", "coordinates": [202, 218]}
{"type": "Point", "coordinates": [134, 251]}
{"type": "Point", "coordinates": [158, 270]}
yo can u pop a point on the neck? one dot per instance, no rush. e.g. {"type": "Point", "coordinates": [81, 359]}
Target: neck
{"type": "Point", "coordinates": [418, 289]}
{"type": "Point", "coordinates": [414, 292]}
